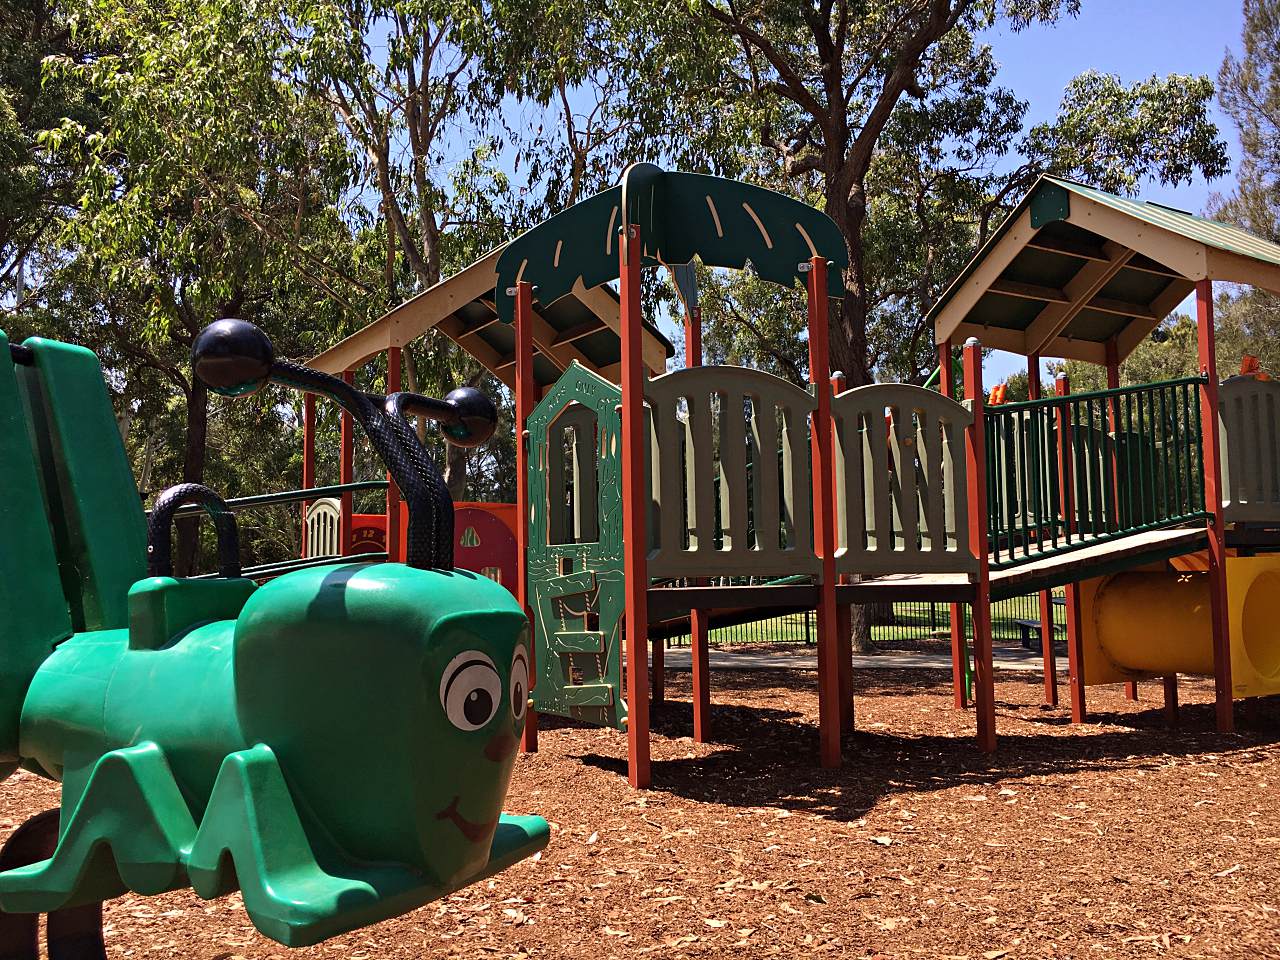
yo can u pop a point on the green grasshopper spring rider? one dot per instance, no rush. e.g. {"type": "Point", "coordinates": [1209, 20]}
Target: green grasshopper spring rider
{"type": "Point", "coordinates": [336, 744]}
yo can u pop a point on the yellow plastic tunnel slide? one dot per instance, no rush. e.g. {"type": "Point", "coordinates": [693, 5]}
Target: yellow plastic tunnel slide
{"type": "Point", "coordinates": [1152, 622]}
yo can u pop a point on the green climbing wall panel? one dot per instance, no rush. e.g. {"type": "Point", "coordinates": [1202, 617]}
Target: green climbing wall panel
{"type": "Point", "coordinates": [576, 582]}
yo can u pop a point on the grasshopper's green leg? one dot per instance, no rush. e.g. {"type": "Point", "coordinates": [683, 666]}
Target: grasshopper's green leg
{"type": "Point", "coordinates": [252, 836]}
{"type": "Point", "coordinates": [128, 831]}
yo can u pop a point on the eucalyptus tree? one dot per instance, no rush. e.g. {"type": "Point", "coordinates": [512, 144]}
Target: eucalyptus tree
{"type": "Point", "coordinates": [1249, 91]}
{"type": "Point", "coordinates": [35, 194]}
{"type": "Point", "coordinates": [211, 188]}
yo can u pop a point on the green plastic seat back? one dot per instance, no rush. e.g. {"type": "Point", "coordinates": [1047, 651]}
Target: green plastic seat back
{"type": "Point", "coordinates": [33, 609]}
{"type": "Point", "coordinates": [99, 529]}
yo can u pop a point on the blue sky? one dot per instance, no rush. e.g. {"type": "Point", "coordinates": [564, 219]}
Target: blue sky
{"type": "Point", "coordinates": [1133, 39]}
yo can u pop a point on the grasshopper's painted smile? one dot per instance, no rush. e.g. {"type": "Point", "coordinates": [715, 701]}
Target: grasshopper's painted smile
{"type": "Point", "coordinates": [474, 832]}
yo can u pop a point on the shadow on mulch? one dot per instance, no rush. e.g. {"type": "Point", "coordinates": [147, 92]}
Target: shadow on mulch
{"type": "Point", "coordinates": [764, 757]}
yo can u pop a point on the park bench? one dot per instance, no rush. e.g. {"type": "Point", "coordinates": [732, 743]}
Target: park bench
{"type": "Point", "coordinates": [1028, 630]}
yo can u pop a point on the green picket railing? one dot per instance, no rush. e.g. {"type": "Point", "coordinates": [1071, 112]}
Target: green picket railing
{"type": "Point", "coordinates": [1067, 472]}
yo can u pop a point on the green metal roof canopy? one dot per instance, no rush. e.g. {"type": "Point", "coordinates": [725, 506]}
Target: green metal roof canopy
{"type": "Point", "coordinates": [1072, 268]}
{"type": "Point", "coordinates": [723, 222]}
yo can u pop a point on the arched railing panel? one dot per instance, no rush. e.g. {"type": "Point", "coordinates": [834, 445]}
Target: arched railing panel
{"type": "Point", "coordinates": [730, 474]}
{"type": "Point", "coordinates": [901, 493]}
{"type": "Point", "coordinates": [1249, 417]}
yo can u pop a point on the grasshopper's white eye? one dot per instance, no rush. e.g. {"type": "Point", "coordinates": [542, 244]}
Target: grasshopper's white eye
{"type": "Point", "coordinates": [470, 690]}
{"type": "Point", "coordinates": [519, 682]}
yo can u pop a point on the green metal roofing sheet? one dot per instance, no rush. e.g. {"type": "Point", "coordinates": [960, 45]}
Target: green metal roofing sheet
{"type": "Point", "coordinates": [1222, 236]}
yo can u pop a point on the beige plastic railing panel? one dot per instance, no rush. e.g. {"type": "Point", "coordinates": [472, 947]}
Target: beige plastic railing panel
{"type": "Point", "coordinates": [324, 523]}
{"type": "Point", "coordinates": [707, 422]}
{"type": "Point", "coordinates": [901, 498]}
{"type": "Point", "coordinates": [1249, 418]}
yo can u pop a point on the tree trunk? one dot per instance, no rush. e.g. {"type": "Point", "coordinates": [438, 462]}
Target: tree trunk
{"type": "Point", "coordinates": [455, 471]}
{"type": "Point", "coordinates": [193, 472]}
{"type": "Point", "coordinates": [860, 621]}
{"type": "Point", "coordinates": [849, 337]}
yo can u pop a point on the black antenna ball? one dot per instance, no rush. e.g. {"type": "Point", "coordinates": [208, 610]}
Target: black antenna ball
{"type": "Point", "coordinates": [232, 357]}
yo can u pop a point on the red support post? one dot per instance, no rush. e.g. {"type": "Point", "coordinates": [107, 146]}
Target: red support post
{"type": "Point", "coordinates": [1048, 657]}
{"type": "Point", "coordinates": [393, 492]}
{"type": "Point", "coordinates": [829, 708]}
{"type": "Point", "coordinates": [308, 457]}
{"type": "Point", "coordinates": [984, 692]}
{"type": "Point", "coordinates": [698, 619]}
{"type": "Point", "coordinates": [526, 397]}
{"type": "Point", "coordinates": [346, 474]}
{"type": "Point", "coordinates": [1075, 637]}
{"type": "Point", "coordinates": [947, 380]}
{"type": "Point", "coordinates": [844, 614]}
{"type": "Point", "coordinates": [1213, 505]}
{"type": "Point", "coordinates": [634, 499]}
{"type": "Point", "coordinates": [693, 338]}
{"type": "Point", "coordinates": [1113, 382]}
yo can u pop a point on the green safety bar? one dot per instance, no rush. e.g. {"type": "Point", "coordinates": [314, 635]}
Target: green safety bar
{"type": "Point", "coordinates": [1133, 462]}
{"type": "Point", "coordinates": [292, 496]}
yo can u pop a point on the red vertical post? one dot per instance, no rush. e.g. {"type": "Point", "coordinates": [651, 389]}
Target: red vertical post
{"type": "Point", "coordinates": [393, 492]}
{"type": "Point", "coordinates": [1048, 657]}
{"type": "Point", "coordinates": [346, 474]}
{"type": "Point", "coordinates": [698, 623]}
{"type": "Point", "coordinates": [829, 710]}
{"type": "Point", "coordinates": [1213, 505]}
{"type": "Point", "coordinates": [526, 397]}
{"type": "Point", "coordinates": [308, 457]}
{"type": "Point", "coordinates": [634, 507]}
{"type": "Point", "coordinates": [844, 615]}
{"type": "Point", "coordinates": [947, 380]}
{"type": "Point", "coordinates": [984, 690]}
{"type": "Point", "coordinates": [1113, 382]}
{"type": "Point", "coordinates": [1075, 638]}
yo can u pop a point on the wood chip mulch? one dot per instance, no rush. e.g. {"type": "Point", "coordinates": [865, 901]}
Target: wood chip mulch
{"type": "Point", "coordinates": [1120, 838]}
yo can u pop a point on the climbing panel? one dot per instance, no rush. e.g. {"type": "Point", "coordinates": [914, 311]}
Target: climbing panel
{"type": "Point", "coordinates": [574, 559]}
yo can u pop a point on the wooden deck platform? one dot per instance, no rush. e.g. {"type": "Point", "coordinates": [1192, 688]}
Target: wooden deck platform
{"type": "Point", "coordinates": [1099, 559]}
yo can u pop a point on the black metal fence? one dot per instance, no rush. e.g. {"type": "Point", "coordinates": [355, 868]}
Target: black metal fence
{"type": "Point", "coordinates": [1012, 620]}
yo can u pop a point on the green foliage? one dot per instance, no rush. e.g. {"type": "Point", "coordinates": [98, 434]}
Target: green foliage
{"type": "Point", "coordinates": [35, 191]}
{"type": "Point", "coordinates": [1170, 352]}
{"type": "Point", "coordinates": [1114, 137]}
{"type": "Point", "coordinates": [1249, 90]}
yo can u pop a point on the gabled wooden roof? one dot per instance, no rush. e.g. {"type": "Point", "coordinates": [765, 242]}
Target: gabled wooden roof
{"type": "Point", "coordinates": [582, 325]}
{"type": "Point", "coordinates": [1073, 267]}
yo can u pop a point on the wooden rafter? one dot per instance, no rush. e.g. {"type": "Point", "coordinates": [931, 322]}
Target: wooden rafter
{"type": "Point", "coordinates": [1028, 291]}
{"type": "Point", "coordinates": [1080, 289]}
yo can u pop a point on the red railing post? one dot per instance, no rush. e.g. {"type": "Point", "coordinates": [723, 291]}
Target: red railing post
{"type": "Point", "coordinates": [947, 377]}
{"type": "Point", "coordinates": [984, 693]}
{"type": "Point", "coordinates": [1048, 657]}
{"type": "Point", "coordinates": [1113, 383]}
{"type": "Point", "coordinates": [1213, 505]}
{"type": "Point", "coordinates": [634, 501]}
{"type": "Point", "coordinates": [829, 709]}
{"type": "Point", "coordinates": [1075, 638]}
{"type": "Point", "coordinates": [525, 399]}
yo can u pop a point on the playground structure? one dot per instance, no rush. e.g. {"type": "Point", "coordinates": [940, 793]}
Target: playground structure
{"type": "Point", "coordinates": [212, 733]}
{"type": "Point", "coordinates": [732, 495]}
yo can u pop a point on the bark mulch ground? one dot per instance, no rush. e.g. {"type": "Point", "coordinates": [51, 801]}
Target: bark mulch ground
{"type": "Point", "coordinates": [1120, 838]}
